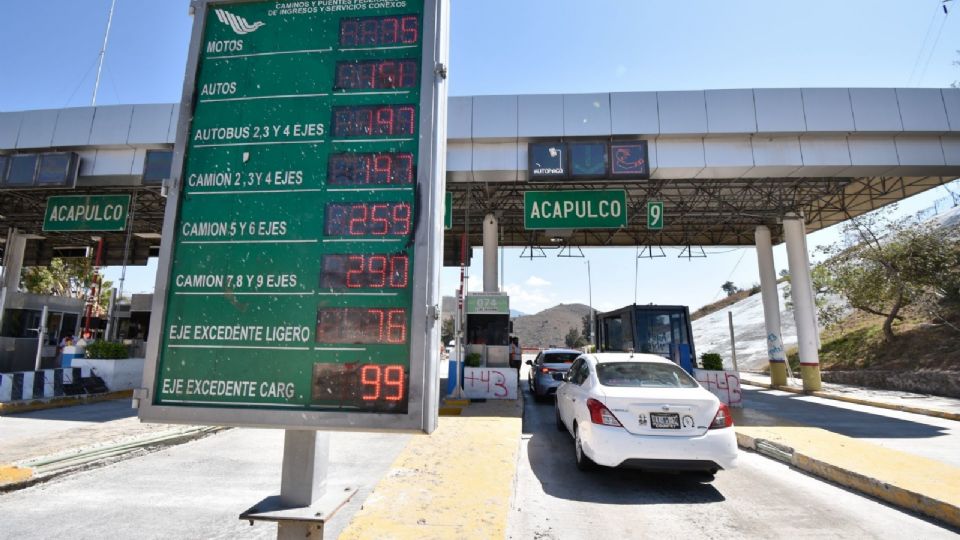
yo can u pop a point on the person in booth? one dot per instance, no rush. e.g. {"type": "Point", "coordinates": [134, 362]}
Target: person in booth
{"type": "Point", "coordinates": [515, 355]}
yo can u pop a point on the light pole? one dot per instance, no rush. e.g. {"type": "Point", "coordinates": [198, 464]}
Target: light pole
{"type": "Point", "coordinates": [590, 300]}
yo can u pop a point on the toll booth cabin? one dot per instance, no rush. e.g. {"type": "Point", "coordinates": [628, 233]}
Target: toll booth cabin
{"type": "Point", "coordinates": [663, 330]}
{"type": "Point", "coordinates": [487, 328]}
{"type": "Point", "coordinates": [21, 320]}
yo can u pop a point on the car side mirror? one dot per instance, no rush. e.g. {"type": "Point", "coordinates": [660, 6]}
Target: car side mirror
{"type": "Point", "coordinates": [529, 362]}
{"type": "Point", "coordinates": [559, 376]}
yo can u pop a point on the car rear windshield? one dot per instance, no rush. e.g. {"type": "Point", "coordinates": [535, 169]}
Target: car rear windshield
{"type": "Point", "coordinates": [560, 358]}
{"type": "Point", "coordinates": [640, 374]}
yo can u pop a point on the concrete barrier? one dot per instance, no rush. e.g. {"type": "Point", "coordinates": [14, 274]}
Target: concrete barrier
{"type": "Point", "coordinates": [46, 383]}
{"type": "Point", "coordinates": [124, 374]}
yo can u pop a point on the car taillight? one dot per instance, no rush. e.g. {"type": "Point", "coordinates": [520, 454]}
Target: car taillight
{"type": "Point", "coordinates": [600, 414]}
{"type": "Point", "coordinates": [722, 419]}
{"type": "Point", "coordinates": [545, 370]}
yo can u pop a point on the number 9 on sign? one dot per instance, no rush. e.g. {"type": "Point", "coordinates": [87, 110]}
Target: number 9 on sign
{"type": "Point", "coordinates": [654, 215]}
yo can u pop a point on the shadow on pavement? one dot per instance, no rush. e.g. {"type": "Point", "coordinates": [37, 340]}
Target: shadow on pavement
{"type": "Point", "coordinates": [104, 411]}
{"type": "Point", "coordinates": [551, 458]}
{"type": "Point", "coordinates": [857, 424]}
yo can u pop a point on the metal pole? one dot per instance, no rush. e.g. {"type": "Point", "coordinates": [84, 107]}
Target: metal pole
{"type": "Point", "coordinates": [111, 324]}
{"type": "Point", "coordinates": [126, 244]}
{"type": "Point", "coordinates": [103, 50]}
{"type": "Point", "coordinates": [590, 300]}
{"type": "Point", "coordinates": [306, 455]}
{"type": "Point", "coordinates": [41, 337]}
{"type": "Point", "coordinates": [733, 342]}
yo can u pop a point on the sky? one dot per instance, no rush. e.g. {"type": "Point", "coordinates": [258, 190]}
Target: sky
{"type": "Point", "coordinates": [50, 51]}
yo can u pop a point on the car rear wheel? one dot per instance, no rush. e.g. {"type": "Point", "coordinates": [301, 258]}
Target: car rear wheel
{"type": "Point", "coordinates": [584, 463]}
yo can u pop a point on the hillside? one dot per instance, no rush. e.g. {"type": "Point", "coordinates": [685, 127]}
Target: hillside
{"type": "Point", "coordinates": [550, 326]}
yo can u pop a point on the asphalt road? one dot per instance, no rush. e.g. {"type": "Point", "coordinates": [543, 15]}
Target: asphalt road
{"type": "Point", "coordinates": [762, 498]}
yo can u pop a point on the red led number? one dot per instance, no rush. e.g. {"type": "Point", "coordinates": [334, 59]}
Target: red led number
{"type": "Point", "coordinates": [392, 324]}
{"type": "Point", "coordinates": [379, 31]}
{"type": "Point", "coordinates": [366, 121]}
{"type": "Point", "coordinates": [366, 169]}
{"type": "Point", "coordinates": [372, 271]}
{"type": "Point", "coordinates": [368, 219]}
{"type": "Point", "coordinates": [375, 378]}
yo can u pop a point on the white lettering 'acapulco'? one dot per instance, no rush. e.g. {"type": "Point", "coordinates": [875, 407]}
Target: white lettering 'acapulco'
{"type": "Point", "coordinates": [238, 24]}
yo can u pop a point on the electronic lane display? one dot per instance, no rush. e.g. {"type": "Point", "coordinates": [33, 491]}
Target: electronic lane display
{"type": "Point", "coordinates": [296, 242]}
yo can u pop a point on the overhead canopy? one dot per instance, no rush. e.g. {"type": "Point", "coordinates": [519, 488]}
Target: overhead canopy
{"type": "Point", "coordinates": [720, 161]}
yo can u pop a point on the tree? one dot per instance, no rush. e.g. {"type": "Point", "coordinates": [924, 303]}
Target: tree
{"type": "Point", "coordinates": [573, 338]}
{"type": "Point", "coordinates": [446, 330]}
{"type": "Point", "coordinates": [730, 288]}
{"type": "Point", "coordinates": [894, 264]}
{"type": "Point", "coordinates": [71, 277]}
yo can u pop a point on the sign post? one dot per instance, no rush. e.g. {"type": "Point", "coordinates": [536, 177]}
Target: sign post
{"type": "Point", "coordinates": [297, 284]}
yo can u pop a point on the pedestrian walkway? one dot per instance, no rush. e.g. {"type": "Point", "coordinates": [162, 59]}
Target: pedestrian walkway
{"type": "Point", "coordinates": [907, 459]}
{"type": "Point", "coordinates": [929, 405]}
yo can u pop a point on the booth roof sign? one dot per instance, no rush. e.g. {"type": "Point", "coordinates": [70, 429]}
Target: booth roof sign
{"type": "Point", "coordinates": [86, 213]}
{"type": "Point", "coordinates": [591, 209]}
{"type": "Point", "coordinates": [488, 304]}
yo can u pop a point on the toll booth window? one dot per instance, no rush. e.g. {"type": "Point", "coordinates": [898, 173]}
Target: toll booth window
{"type": "Point", "coordinates": [54, 169]}
{"type": "Point", "coordinates": [660, 332]}
{"type": "Point", "coordinates": [4, 161]}
{"type": "Point", "coordinates": [157, 166]}
{"type": "Point", "coordinates": [613, 331]}
{"type": "Point", "coordinates": [488, 330]}
{"type": "Point", "coordinates": [22, 170]}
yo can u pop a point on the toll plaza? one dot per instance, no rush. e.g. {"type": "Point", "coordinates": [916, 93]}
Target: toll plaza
{"type": "Point", "coordinates": [745, 167]}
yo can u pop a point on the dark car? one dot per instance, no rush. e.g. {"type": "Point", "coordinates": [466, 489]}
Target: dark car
{"type": "Point", "coordinates": [542, 368]}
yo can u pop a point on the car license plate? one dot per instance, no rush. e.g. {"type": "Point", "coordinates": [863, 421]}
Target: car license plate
{"type": "Point", "coordinates": [665, 420]}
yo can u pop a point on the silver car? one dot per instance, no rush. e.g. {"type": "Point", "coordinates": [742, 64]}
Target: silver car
{"type": "Point", "coordinates": [542, 368]}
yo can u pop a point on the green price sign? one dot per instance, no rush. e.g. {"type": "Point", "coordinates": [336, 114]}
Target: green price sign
{"type": "Point", "coordinates": [298, 240]}
{"type": "Point", "coordinates": [86, 213]}
{"type": "Point", "coordinates": [655, 215]}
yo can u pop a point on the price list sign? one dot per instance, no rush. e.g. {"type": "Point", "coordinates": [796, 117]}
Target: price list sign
{"type": "Point", "coordinates": [301, 257]}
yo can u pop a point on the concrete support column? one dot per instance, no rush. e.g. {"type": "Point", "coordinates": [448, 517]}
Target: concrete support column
{"type": "Point", "coordinates": [491, 231]}
{"type": "Point", "coordinates": [803, 309]}
{"type": "Point", "coordinates": [771, 306]}
{"type": "Point", "coordinates": [12, 265]}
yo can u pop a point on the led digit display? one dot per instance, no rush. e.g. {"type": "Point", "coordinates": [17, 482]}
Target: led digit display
{"type": "Point", "coordinates": [368, 219]}
{"type": "Point", "coordinates": [359, 326]}
{"type": "Point", "coordinates": [374, 121]}
{"type": "Point", "coordinates": [345, 271]}
{"type": "Point", "coordinates": [380, 31]}
{"type": "Point", "coordinates": [388, 168]}
{"type": "Point", "coordinates": [372, 387]}
{"type": "Point", "coordinates": [376, 75]}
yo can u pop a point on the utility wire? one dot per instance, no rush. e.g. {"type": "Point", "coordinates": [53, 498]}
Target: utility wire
{"type": "Point", "coordinates": [923, 45]}
{"type": "Point", "coordinates": [744, 252]}
{"type": "Point", "coordinates": [933, 48]}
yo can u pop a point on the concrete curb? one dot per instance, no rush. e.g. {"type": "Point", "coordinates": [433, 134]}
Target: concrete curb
{"type": "Point", "coordinates": [23, 474]}
{"type": "Point", "coordinates": [457, 482]}
{"type": "Point", "coordinates": [897, 496]}
{"type": "Point", "coordinates": [15, 407]}
{"type": "Point", "coordinates": [859, 401]}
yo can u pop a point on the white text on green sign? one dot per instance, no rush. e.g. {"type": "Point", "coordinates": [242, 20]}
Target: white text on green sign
{"type": "Point", "coordinates": [86, 213]}
{"type": "Point", "coordinates": [591, 209]}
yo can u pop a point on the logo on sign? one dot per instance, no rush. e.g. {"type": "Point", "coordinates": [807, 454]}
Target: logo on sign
{"type": "Point", "coordinates": [239, 25]}
{"type": "Point", "coordinates": [554, 165]}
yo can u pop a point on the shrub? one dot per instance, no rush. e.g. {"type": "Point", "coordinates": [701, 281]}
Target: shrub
{"type": "Point", "coordinates": [711, 361]}
{"type": "Point", "coordinates": [473, 360]}
{"type": "Point", "coordinates": [109, 350]}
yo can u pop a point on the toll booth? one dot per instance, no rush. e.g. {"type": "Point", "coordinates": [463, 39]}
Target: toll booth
{"type": "Point", "coordinates": [663, 330]}
{"type": "Point", "coordinates": [487, 327]}
{"type": "Point", "coordinates": [21, 320]}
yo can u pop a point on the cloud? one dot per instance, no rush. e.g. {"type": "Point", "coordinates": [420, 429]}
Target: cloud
{"type": "Point", "coordinates": [535, 281]}
{"type": "Point", "coordinates": [530, 299]}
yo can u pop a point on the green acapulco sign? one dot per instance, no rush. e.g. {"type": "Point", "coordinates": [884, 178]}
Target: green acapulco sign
{"type": "Point", "coordinates": [479, 304]}
{"type": "Point", "coordinates": [86, 213]}
{"type": "Point", "coordinates": [589, 209]}
{"type": "Point", "coordinates": [291, 278]}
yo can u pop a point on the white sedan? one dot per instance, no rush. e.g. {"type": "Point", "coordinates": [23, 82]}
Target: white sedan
{"type": "Point", "coordinates": [643, 411]}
